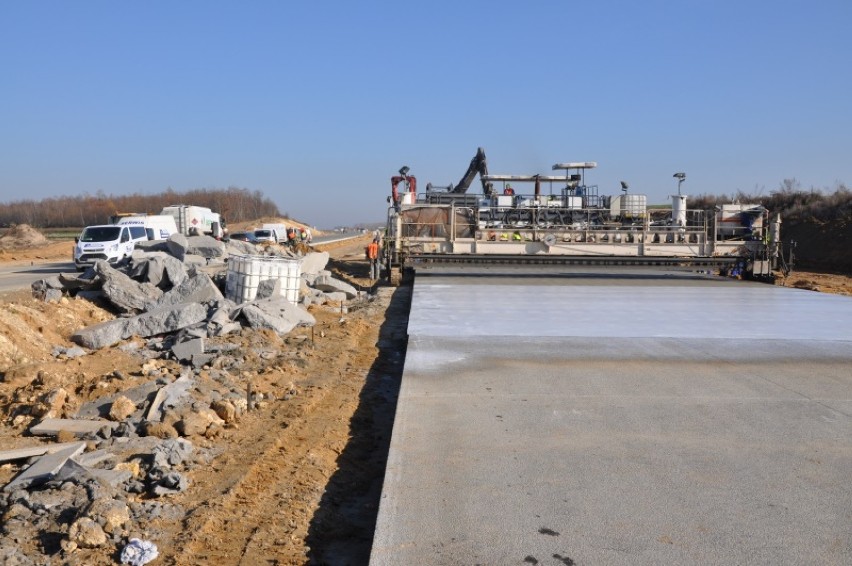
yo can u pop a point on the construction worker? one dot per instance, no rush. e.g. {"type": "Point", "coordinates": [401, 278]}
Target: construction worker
{"type": "Point", "coordinates": [509, 191]}
{"type": "Point", "coordinates": [373, 257]}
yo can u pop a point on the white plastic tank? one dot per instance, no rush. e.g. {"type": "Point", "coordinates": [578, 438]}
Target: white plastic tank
{"type": "Point", "coordinates": [573, 202]}
{"type": "Point", "coordinates": [245, 272]}
{"type": "Point", "coordinates": [628, 206]}
{"type": "Point", "coordinates": [678, 210]}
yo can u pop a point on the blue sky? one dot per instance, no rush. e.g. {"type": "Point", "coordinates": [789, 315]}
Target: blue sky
{"type": "Point", "coordinates": [317, 104]}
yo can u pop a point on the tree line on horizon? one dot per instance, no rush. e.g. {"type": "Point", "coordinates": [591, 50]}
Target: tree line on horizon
{"type": "Point", "coordinates": [794, 203]}
{"type": "Point", "coordinates": [234, 204]}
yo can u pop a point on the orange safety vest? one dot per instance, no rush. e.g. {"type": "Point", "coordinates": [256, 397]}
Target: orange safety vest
{"type": "Point", "coordinates": [373, 250]}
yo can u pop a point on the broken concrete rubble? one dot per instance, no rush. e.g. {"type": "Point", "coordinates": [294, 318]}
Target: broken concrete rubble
{"type": "Point", "coordinates": [158, 268]}
{"type": "Point", "coordinates": [169, 396]}
{"type": "Point", "coordinates": [183, 350]}
{"type": "Point", "coordinates": [277, 314]}
{"type": "Point", "coordinates": [45, 467]}
{"type": "Point", "coordinates": [238, 247]}
{"type": "Point", "coordinates": [313, 264]}
{"type": "Point", "coordinates": [29, 452]}
{"type": "Point", "coordinates": [157, 321]}
{"type": "Point", "coordinates": [52, 427]}
{"type": "Point", "coordinates": [196, 289]}
{"type": "Point", "coordinates": [330, 284]}
{"type": "Point", "coordinates": [47, 290]}
{"type": "Point", "coordinates": [172, 452]}
{"type": "Point", "coordinates": [205, 246]}
{"type": "Point", "coordinates": [123, 292]}
{"type": "Point", "coordinates": [177, 245]}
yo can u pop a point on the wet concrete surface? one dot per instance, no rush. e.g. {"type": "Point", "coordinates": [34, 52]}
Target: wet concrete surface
{"type": "Point", "coordinates": [635, 418]}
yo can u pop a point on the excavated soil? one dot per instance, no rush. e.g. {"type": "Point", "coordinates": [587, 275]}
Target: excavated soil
{"type": "Point", "coordinates": [295, 481]}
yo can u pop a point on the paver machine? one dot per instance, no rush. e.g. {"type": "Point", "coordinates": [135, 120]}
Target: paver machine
{"type": "Point", "coordinates": [564, 220]}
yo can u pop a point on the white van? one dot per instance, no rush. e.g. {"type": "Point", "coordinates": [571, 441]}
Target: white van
{"type": "Point", "coordinates": [269, 236]}
{"type": "Point", "coordinates": [108, 242]}
{"type": "Point", "coordinates": [156, 226]}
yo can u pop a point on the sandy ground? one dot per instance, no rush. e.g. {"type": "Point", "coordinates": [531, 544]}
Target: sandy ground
{"type": "Point", "coordinates": [296, 481]}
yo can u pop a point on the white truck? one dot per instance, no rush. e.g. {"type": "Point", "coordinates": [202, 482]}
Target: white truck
{"type": "Point", "coordinates": [196, 220]}
{"type": "Point", "coordinates": [106, 242]}
{"type": "Point", "coordinates": [279, 232]}
{"type": "Point", "coordinates": [156, 226]}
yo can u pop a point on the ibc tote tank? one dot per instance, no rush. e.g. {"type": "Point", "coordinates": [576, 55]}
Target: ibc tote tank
{"type": "Point", "coordinates": [245, 272]}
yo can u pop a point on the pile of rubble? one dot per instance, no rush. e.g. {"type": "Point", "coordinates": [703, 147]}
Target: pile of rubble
{"type": "Point", "coordinates": [103, 478]}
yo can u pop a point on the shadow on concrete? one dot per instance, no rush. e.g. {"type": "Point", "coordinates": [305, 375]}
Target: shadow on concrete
{"type": "Point", "coordinates": [341, 531]}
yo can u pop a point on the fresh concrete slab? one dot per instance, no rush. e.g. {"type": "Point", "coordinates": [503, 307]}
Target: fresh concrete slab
{"type": "Point", "coordinates": [595, 421]}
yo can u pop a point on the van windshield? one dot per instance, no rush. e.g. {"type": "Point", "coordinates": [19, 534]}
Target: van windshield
{"type": "Point", "coordinates": [100, 234]}
{"type": "Point", "coordinates": [263, 233]}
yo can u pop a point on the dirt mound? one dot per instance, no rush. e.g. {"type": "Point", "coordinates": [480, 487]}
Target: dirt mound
{"type": "Point", "coordinates": [22, 236]}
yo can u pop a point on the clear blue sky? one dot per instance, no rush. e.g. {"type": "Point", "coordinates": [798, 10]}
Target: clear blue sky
{"type": "Point", "coordinates": [317, 104]}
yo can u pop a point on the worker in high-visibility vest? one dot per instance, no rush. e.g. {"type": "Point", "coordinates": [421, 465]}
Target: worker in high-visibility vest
{"type": "Point", "coordinates": [373, 257]}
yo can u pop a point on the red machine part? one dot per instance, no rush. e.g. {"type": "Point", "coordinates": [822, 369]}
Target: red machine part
{"type": "Point", "coordinates": [410, 182]}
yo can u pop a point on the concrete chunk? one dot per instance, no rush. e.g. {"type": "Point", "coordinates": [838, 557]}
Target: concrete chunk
{"type": "Point", "coordinates": [52, 427]}
{"type": "Point", "coordinates": [45, 467]}
{"type": "Point", "coordinates": [158, 268]}
{"type": "Point", "coordinates": [165, 319]}
{"type": "Point", "coordinates": [30, 451]}
{"type": "Point", "coordinates": [95, 457]}
{"type": "Point", "coordinates": [157, 321]}
{"type": "Point", "coordinates": [238, 247]}
{"type": "Point", "coordinates": [329, 284]}
{"type": "Point", "coordinates": [123, 292]}
{"type": "Point", "coordinates": [184, 351]}
{"type": "Point", "coordinates": [100, 335]}
{"type": "Point", "coordinates": [177, 245]}
{"type": "Point", "coordinates": [169, 396]}
{"type": "Point", "coordinates": [205, 246]}
{"type": "Point", "coordinates": [201, 360]}
{"type": "Point", "coordinates": [101, 406]}
{"type": "Point", "coordinates": [276, 314]}
{"type": "Point", "coordinates": [314, 262]}
{"type": "Point", "coordinates": [196, 289]}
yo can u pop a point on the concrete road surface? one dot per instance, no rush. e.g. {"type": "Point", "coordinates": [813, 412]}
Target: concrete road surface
{"type": "Point", "coordinates": [644, 418]}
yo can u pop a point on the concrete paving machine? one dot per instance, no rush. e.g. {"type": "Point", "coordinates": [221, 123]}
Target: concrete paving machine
{"type": "Point", "coordinates": [565, 221]}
